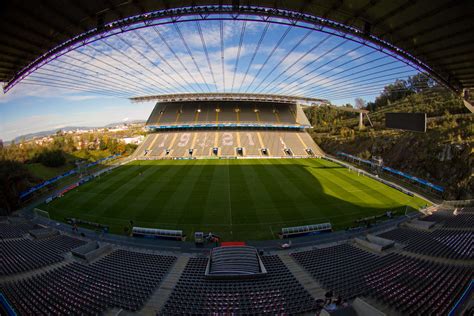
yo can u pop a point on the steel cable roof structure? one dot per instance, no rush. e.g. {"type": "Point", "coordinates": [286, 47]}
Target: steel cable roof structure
{"type": "Point", "coordinates": [435, 37]}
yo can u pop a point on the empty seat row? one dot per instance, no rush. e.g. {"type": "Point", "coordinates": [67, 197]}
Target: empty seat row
{"type": "Point", "coordinates": [278, 292]}
{"type": "Point", "coordinates": [451, 244]}
{"type": "Point", "coordinates": [21, 255]}
{"type": "Point", "coordinates": [14, 230]}
{"type": "Point", "coordinates": [409, 285]}
{"type": "Point", "coordinates": [122, 279]}
{"type": "Point", "coordinates": [464, 218]}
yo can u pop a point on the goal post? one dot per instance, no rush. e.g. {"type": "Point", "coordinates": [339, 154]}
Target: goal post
{"type": "Point", "coordinates": [41, 213]}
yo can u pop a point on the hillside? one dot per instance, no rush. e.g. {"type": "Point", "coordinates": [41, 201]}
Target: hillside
{"type": "Point", "coordinates": [443, 155]}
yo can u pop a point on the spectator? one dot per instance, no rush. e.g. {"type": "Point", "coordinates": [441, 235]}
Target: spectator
{"type": "Point", "coordinates": [74, 228]}
{"type": "Point", "coordinates": [338, 300]}
{"type": "Point", "coordinates": [328, 297]}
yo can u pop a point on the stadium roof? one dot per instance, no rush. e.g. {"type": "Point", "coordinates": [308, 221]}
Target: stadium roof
{"type": "Point", "coordinates": [189, 97]}
{"type": "Point", "coordinates": [436, 36]}
{"type": "Point", "coordinates": [235, 261]}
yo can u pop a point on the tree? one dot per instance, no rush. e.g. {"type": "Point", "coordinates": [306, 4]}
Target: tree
{"type": "Point", "coordinates": [52, 158]}
{"type": "Point", "coordinates": [371, 106]}
{"type": "Point", "coordinates": [420, 83]}
{"type": "Point", "coordinates": [14, 178]}
{"type": "Point", "coordinates": [359, 103]}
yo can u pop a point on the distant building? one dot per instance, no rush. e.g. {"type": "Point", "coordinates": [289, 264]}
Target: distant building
{"type": "Point", "coordinates": [133, 140]}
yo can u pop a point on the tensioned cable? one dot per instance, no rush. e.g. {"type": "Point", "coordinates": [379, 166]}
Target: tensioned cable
{"type": "Point", "coordinates": [286, 84]}
{"type": "Point", "coordinates": [310, 82]}
{"type": "Point", "coordinates": [242, 33]}
{"type": "Point", "coordinates": [282, 38]}
{"type": "Point", "coordinates": [355, 93]}
{"type": "Point", "coordinates": [283, 59]}
{"type": "Point", "coordinates": [379, 84]}
{"type": "Point", "coordinates": [190, 54]}
{"type": "Point", "coordinates": [62, 79]}
{"type": "Point", "coordinates": [396, 74]}
{"type": "Point", "coordinates": [349, 69]}
{"type": "Point", "coordinates": [31, 81]}
{"type": "Point", "coordinates": [70, 87]}
{"type": "Point", "coordinates": [356, 88]}
{"type": "Point", "coordinates": [279, 76]}
{"type": "Point", "coordinates": [222, 52]}
{"type": "Point", "coordinates": [398, 103]}
{"type": "Point", "coordinates": [357, 84]}
{"type": "Point", "coordinates": [127, 79]}
{"type": "Point", "coordinates": [163, 39]}
{"type": "Point", "coordinates": [367, 93]}
{"type": "Point", "coordinates": [254, 54]}
{"type": "Point", "coordinates": [350, 88]}
{"type": "Point", "coordinates": [124, 64]}
{"type": "Point", "coordinates": [79, 79]}
{"type": "Point", "coordinates": [337, 82]}
{"type": "Point", "coordinates": [296, 80]}
{"type": "Point", "coordinates": [183, 87]}
{"type": "Point", "coordinates": [204, 46]}
{"type": "Point", "coordinates": [138, 63]}
{"type": "Point", "coordinates": [81, 75]}
{"type": "Point", "coordinates": [374, 89]}
{"type": "Point", "coordinates": [330, 86]}
{"type": "Point", "coordinates": [151, 62]}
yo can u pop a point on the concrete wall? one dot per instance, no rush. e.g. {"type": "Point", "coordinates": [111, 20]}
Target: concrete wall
{"type": "Point", "coordinates": [385, 243]}
{"type": "Point", "coordinates": [43, 233]}
{"type": "Point", "coordinates": [424, 225]}
{"type": "Point", "coordinates": [368, 244]}
{"type": "Point", "coordinates": [363, 308]}
{"type": "Point", "coordinates": [91, 250]}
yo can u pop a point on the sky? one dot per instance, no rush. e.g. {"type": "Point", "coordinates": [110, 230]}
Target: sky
{"type": "Point", "coordinates": [90, 86]}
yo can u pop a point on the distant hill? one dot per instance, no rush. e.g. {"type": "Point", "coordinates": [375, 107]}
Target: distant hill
{"type": "Point", "coordinates": [443, 155]}
{"type": "Point", "coordinates": [66, 129]}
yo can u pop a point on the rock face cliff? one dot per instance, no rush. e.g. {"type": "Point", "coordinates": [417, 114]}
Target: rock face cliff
{"type": "Point", "coordinates": [443, 155]}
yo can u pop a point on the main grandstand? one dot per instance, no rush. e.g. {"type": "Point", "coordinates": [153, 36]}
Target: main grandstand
{"type": "Point", "coordinates": [228, 206]}
{"type": "Point", "coordinates": [228, 125]}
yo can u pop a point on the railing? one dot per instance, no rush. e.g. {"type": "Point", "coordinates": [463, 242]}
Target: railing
{"type": "Point", "coordinates": [61, 176]}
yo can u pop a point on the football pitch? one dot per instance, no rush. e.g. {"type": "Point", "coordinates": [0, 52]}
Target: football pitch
{"type": "Point", "coordinates": [245, 199]}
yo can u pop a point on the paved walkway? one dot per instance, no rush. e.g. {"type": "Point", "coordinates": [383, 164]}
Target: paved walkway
{"type": "Point", "coordinates": [305, 279]}
{"type": "Point", "coordinates": [454, 262]}
{"type": "Point", "coordinates": [158, 299]}
{"type": "Point", "coordinates": [31, 273]}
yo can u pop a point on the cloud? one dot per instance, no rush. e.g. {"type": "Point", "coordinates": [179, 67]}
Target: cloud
{"type": "Point", "coordinates": [80, 97]}
{"type": "Point", "coordinates": [155, 60]}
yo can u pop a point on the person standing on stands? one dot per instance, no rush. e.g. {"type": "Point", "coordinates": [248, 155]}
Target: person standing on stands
{"type": "Point", "coordinates": [328, 297]}
{"type": "Point", "coordinates": [74, 228]}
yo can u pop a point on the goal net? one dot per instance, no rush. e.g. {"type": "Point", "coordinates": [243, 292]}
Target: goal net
{"type": "Point", "coordinates": [41, 213]}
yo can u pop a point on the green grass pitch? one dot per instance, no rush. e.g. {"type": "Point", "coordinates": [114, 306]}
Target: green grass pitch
{"type": "Point", "coordinates": [237, 199]}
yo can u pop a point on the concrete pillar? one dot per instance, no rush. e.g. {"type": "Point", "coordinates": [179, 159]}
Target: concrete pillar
{"type": "Point", "coordinates": [361, 120]}
{"type": "Point", "coordinates": [465, 99]}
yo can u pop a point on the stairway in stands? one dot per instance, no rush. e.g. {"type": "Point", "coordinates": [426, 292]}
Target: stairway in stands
{"type": "Point", "coordinates": [161, 295]}
{"type": "Point", "coordinates": [303, 277]}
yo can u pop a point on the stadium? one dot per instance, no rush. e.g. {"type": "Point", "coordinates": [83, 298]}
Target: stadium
{"type": "Point", "coordinates": [229, 205]}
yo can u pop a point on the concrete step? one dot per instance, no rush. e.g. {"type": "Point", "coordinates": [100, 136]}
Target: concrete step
{"type": "Point", "coordinates": [305, 279]}
{"type": "Point", "coordinates": [161, 295]}
{"type": "Point", "coordinates": [31, 273]}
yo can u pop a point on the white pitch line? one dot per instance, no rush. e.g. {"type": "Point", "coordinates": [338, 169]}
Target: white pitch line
{"type": "Point", "coordinates": [358, 190]}
{"type": "Point", "coordinates": [228, 191]}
